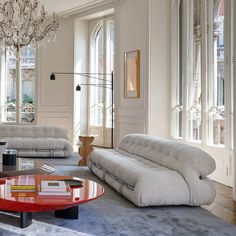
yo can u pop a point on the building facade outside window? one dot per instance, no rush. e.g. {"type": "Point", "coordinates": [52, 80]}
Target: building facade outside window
{"type": "Point", "coordinates": [26, 88]}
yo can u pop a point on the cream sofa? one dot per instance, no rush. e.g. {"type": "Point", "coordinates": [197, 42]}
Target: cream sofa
{"type": "Point", "coordinates": [37, 140]}
{"type": "Point", "coordinates": [151, 171]}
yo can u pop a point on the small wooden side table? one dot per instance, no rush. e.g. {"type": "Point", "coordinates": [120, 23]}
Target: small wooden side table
{"type": "Point", "coordinates": [85, 148]}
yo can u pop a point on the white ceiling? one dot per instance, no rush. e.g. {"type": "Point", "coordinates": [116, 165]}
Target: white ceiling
{"type": "Point", "coordinates": [63, 6]}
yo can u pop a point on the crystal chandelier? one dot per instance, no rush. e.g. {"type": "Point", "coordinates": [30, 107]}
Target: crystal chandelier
{"type": "Point", "coordinates": [23, 24]}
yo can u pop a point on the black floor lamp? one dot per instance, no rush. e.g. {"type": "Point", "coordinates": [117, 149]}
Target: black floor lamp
{"type": "Point", "coordinates": [105, 83]}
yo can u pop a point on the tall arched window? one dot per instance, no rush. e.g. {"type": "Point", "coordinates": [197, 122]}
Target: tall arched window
{"type": "Point", "coordinates": [96, 93]}
{"type": "Point", "coordinates": [202, 101]}
{"type": "Point", "coordinates": [101, 61]}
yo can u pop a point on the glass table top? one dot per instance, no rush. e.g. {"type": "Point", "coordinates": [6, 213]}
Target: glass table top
{"type": "Point", "coordinates": [25, 166]}
{"type": "Point", "coordinates": [32, 202]}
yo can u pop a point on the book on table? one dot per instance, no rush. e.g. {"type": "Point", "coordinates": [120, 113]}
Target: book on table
{"type": "Point", "coordinates": [54, 188]}
{"type": "Point", "coordinates": [27, 188]}
{"type": "Point", "coordinates": [23, 194]}
{"type": "Point", "coordinates": [67, 192]}
{"type": "Point", "coordinates": [23, 185]}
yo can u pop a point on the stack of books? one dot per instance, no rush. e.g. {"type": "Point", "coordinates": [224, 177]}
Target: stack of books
{"type": "Point", "coordinates": [23, 187]}
{"type": "Point", "coordinates": [54, 188]}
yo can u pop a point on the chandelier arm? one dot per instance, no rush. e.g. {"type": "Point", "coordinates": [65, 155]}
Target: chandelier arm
{"type": "Point", "coordinates": [48, 28]}
{"type": "Point", "coordinates": [24, 23]}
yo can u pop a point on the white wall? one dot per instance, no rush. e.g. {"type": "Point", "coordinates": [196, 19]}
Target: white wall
{"type": "Point", "coordinates": [159, 89]}
{"type": "Point", "coordinates": [131, 18]}
{"type": "Point", "coordinates": [143, 25]}
{"type": "Point", "coordinates": [140, 24]}
{"type": "Point", "coordinates": [55, 98]}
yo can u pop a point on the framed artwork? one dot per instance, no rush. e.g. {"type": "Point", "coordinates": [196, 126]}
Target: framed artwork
{"type": "Point", "coordinates": [132, 74]}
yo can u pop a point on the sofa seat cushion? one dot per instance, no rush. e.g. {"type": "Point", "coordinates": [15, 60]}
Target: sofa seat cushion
{"type": "Point", "coordinates": [145, 178]}
{"type": "Point", "coordinates": [126, 168]}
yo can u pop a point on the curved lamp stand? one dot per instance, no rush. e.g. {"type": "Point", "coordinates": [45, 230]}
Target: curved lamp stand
{"type": "Point", "coordinates": [107, 84]}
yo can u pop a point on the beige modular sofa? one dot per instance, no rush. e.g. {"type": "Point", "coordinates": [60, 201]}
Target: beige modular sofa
{"type": "Point", "coordinates": [150, 171]}
{"type": "Point", "coordinates": [37, 140]}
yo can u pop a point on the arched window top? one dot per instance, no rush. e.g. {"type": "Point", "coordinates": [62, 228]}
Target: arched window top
{"type": "Point", "coordinates": [99, 52]}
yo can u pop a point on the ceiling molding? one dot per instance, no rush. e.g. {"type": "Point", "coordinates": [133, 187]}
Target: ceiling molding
{"type": "Point", "coordinates": [85, 7]}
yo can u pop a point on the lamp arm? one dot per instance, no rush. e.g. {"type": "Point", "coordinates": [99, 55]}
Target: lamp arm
{"type": "Point", "coordinates": [98, 85]}
{"type": "Point", "coordinates": [87, 75]}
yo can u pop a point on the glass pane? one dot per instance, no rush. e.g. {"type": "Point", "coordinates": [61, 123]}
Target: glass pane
{"type": "Point", "coordinates": [96, 98]}
{"type": "Point", "coordinates": [194, 85]}
{"type": "Point", "coordinates": [110, 68]}
{"type": "Point", "coordinates": [27, 86]}
{"type": "Point", "coordinates": [8, 90]}
{"type": "Point", "coordinates": [216, 120]}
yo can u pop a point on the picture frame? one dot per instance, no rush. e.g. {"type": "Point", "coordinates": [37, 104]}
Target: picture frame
{"type": "Point", "coordinates": [132, 74]}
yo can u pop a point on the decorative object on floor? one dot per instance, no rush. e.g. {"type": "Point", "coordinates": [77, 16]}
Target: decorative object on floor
{"type": "Point", "coordinates": [64, 207]}
{"type": "Point", "coordinates": [9, 157]}
{"type": "Point", "coordinates": [23, 23]}
{"type": "Point", "coordinates": [150, 171]}
{"type": "Point", "coordinates": [37, 140]}
{"type": "Point", "coordinates": [132, 74]}
{"type": "Point", "coordinates": [107, 82]}
{"type": "Point", "coordinates": [113, 215]}
{"type": "Point", "coordinates": [85, 149]}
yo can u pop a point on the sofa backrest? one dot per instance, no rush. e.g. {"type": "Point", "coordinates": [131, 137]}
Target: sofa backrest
{"type": "Point", "coordinates": [33, 131]}
{"type": "Point", "coordinates": [171, 154]}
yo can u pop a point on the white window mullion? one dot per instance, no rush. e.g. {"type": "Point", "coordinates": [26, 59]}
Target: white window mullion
{"type": "Point", "coordinates": [188, 35]}
{"type": "Point", "coordinates": [228, 76]}
{"type": "Point", "coordinates": [175, 67]}
{"type": "Point", "coordinates": [18, 91]}
{"type": "Point", "coordinates": [210, 72]}
{"type": "Point", "coordinates": [105, 42]}
{"type": "Point", "coordinates": [203, 25]}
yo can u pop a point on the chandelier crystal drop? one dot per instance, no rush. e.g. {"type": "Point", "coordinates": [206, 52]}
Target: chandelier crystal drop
{"type": "Point", "coordinates": [23, 24]}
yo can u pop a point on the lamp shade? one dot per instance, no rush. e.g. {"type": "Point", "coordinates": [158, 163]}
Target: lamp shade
{"type": "Point", "coordinates": [78, 88]}
{"type": "Point", "coordinates": [52, 77]}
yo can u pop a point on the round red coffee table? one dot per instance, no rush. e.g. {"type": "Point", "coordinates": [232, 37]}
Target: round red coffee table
{"type": "Point", "coordinates": [26, 203]}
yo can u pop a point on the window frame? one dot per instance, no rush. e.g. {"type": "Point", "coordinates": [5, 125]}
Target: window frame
{"type": "Point", "coordinates": [222, 154]}
{"type": "Point", "coordinates": [18, 85]}
{"type": "Point", "coordinates": [95, 26]}
{"type": "Point", "coordinates": [187, 52]}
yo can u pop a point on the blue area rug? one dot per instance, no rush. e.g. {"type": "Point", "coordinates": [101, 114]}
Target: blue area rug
{"type": "Point", "coordinates": [113, 215]}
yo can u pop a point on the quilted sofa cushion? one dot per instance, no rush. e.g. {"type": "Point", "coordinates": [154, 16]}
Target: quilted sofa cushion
{"type": "Point", "coordinates": [33, 131]}
{"type": "Point", "coordinates": [37, 140]}
{"type": "Point", "coordinates": [173, 155]}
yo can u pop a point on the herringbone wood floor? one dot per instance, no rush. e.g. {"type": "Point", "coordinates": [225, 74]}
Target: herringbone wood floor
{"type": "Point", "coordinates": [224, 206]}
